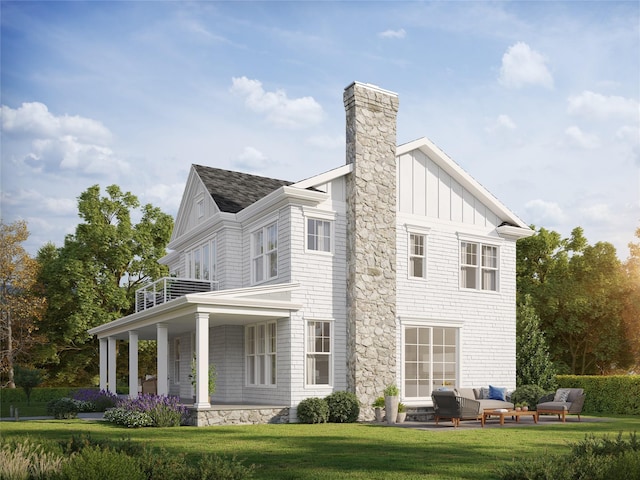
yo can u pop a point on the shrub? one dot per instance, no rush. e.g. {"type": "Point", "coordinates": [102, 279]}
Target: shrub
{"type": "Point", "coordinates": [164, 411]}
{"type": "Point", "coordinates": [529, 394]}
{"type": "Point", "coordinates": [27, 379]}
{"type": "Point", "coordinates": [313, 410]}
{"type": "Point", "coordinates": [64, 408]}
{"type": "Point", "coordinates": [98, 464]}
{"type": "Point", "coordinates": [96, 400]}
{"type": "Point", "coordinates": [611, 394]}
{"type": "Point", "coordinates": [594, 459]}
{"type": "Point", "coordinates": [344, 407]}
{"type": "Point", "coordinates": [128, 418]}
{"type": "Point", "coordinates": [215, 467]}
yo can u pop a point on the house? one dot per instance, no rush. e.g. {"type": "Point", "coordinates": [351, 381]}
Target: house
{"type": "Point", "coordinates": [394, 268]}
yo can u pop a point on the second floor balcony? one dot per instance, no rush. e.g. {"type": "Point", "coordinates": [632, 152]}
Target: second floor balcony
{"type": "Point", "coordinates": [170, 288]}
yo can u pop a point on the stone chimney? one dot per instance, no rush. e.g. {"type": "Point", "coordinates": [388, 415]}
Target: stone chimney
{"type": "Point", "coordinates": [371, 241]}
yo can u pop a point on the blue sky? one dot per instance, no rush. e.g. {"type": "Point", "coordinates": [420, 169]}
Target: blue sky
{"type": "Point", "coordinates": [539, 101]}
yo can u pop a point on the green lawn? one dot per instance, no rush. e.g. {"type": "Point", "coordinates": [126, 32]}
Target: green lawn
{"type": "Point", "coordinates": [339, 451]}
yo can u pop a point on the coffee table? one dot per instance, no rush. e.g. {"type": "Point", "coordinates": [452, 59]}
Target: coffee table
{"type": "Point", "coordinates": [502, 413]}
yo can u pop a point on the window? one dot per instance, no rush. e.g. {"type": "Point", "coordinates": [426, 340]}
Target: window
{"type": "Point", "coordinates": [318, 353]}
{"type": "Point", "coordinates": [430, 360]}
{"type": "Point", "coordinates": [176, 362]}
{"type": "Point", "coordinates": [265, 253]}
{"type": "Point", "coordinates": [261, 341]}
{"type": "Point", "coordinates": [417, 255]}
{"type": "Point", "coordinates": [200, 208]}
{"type": "Point", "coordinates": [202, 261]}
{"type": "Point", "coordinates": [478, 266]}
{"type": "Point", "coordinates": [318, 235]}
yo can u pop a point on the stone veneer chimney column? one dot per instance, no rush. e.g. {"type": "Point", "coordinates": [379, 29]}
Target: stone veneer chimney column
{"type": "Point", "coordinates": [371, 241]}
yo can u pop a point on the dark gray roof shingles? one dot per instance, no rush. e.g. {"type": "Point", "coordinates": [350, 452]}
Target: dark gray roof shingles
{"type": "Point", "coordinates": [235, 191]}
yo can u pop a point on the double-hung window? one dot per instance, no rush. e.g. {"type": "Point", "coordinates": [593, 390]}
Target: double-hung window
{"type": "Point", "coordinates": [430, 359]}
{"type": "Point", "coordinates": [265, 253]}
{"type": "Point", "coordinates": [261, 341]}
{"type": "Point", "coordinates": [318, 353]}
{"type": "Point", "coordinates": [176, 361]}
{"type": "Point", "coordinates": [417, 255]}
{"type": "Point", "coordinates": [319, 235]}
{"type": "Point", "coordinates": [479, 266]}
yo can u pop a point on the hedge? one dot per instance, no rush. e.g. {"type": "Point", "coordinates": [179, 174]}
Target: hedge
{"type": "Point", "coordinates": [39, 394]}
{"type": "Point", "coordinates": [613, 394]}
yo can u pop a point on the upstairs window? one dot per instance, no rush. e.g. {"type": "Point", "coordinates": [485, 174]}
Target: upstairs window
{"type": "Point", "coordinates": [264, 257]}
{"type": "Point", "coordinates": [417, 256]}
{"type": "Point", "coordinates": [319, 235]}
{"type": "Point", "coordinates": [202, 261]}
{"type": "Point", "coordinates": [479, 266]}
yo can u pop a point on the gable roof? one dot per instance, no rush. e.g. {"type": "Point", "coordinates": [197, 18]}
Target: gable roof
{"type": "Point", "coordinates": [235, 191]}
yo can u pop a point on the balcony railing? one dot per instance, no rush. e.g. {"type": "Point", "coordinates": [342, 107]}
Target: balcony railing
{"type": "Point", "coordinates": [169, 288]}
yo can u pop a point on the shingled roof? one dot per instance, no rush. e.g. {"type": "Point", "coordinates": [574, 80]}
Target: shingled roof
{"type": "Point", "coordinates": [235, 191]}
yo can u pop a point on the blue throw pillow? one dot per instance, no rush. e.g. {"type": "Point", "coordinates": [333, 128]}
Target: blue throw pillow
{"type": "Point", "coordinates": [496, 393]}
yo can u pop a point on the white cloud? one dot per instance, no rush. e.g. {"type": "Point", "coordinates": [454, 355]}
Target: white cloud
{"type": "Point", "coordinates": [280, 110]}
{"type": "Point", "coordinates": [596, 105]}
{"type": "Point", "coordinates": [522, 66]}
{"type": "Point", "coordinates": [600, 213]}
{"type": "Point", "coordinates": [541, 212]}
{"type": "Point", "coordinates": [581, 139]}
{"type": "Point", "coordinates": [629, 134]}
{"type": "Point", "coordinates": [326, 142]}
{"type": "Point", "coordinates": [46, 142]}
{"type": "Point", "coordinates": [58, 206]}
{"type": "Point", "coordinates": [251, 159]}
{"type": "Point", "coordinates": [502, 122]}
{"type": "Point", "coordinates": [401, 33]}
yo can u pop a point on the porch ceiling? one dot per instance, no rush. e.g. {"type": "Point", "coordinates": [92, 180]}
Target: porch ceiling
{"type": "Point", "coordinates": [234, 307]}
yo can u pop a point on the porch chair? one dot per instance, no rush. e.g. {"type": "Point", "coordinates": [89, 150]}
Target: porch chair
{"type": "Point", "coordinates": [451, 406]}
{"type": "Point", "coordinates": [565, 401]}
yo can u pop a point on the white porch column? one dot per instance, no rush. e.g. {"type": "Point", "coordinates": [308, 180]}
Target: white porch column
{"type": "Point", "coordinates": [202, 360]}
{"type": "Point", "coordinates": [111, 364]}
{"type": "Point", "coordinates": [103, 364]}
{"type": "Point", "coordinates": [133, 364]}
{"type": "Point", "coordinates": [163, 359]}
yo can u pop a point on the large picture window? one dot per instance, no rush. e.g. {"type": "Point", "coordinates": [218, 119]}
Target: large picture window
{"type": "Point", "coordinates": [430, 360]}
{"type": "Point", "coordinates": [478, 266]}
{"type": "Point", "coordinates": [265, 253]}
{"type": "Point", "coordinates": [318, 353]}
{"type": "Point", "coordinates": [319, 235]}
{"type": "Point", "coordinates": [261, 341]}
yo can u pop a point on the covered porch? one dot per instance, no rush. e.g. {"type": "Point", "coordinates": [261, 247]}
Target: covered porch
{"type": "Point", "coordinates": [196, 314]}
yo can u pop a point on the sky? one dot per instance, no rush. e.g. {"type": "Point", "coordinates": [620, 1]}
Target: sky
{"type": "Point", "coordinates": [538, 101]}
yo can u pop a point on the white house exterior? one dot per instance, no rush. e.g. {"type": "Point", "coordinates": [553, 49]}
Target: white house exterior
{"type": "Point", "coordinates": [397, 267]}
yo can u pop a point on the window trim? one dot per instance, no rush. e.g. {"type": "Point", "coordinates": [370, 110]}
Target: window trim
{"type": "Point", "coordinates": [270, 357]}
{"type": "Point", "coordinates": [479, 268]}
{"type": "Point", "coordinates": [332, 231]}
{"type": "Point", "coordinates": [264, 229]}
{"type": "Point", "coordinates": [331, 353]}
{"type": "Point", "coordinates": [419, 323]}
{"type": "Point", "coordinates": [198, 251]}
{"type": "Point", "coordinates": [417, 230]}
{"type": "Point", "coordinates": [177, 357]}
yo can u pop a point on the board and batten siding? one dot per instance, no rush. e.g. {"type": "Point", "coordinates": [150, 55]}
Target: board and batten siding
{"type": "Point", "coordinates": [425, 189]}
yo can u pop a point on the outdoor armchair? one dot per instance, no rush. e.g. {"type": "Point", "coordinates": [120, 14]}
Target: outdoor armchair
{"type": "Point", "coordinates": [448, 405]}
{"type": "Point", "coordinates": [565, 401]}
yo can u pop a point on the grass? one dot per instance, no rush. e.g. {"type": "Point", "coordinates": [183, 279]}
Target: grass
{"type": "Point", "coordinates": [35, 409]}
{"type": "Point", "coordinates": [341, 451]}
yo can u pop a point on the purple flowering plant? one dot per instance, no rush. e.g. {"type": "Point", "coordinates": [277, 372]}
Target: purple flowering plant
{"type": "Point", "coordinates": [96, 400]}
{"type": "Point", "coordinates": [165, 411]}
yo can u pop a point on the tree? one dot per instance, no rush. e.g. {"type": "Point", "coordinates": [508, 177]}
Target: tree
{"type": "Point", "coordinates": [631, 310]}
{"type": "Point", "coordinates": [92, 279]}
{"type": "Point", "coordinates": [21, 305]}
{"type": "Point", "coordinates": [578, 292]}
{"type": "Point", "coordinates": [533, 363]}
{"type": "Point", "coordinates": [27, 379]}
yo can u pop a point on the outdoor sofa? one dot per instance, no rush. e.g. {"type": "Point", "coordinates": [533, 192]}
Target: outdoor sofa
{"type": "Point", "coordinates": [467, 403]}
{"type": "Point", "coordinates": [565, 401]}
{"type": "Point", "coordinates": [489, 397]}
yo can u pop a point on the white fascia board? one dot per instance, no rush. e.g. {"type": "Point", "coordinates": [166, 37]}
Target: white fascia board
{"type": "Point", "coordinates": [186, 198]}
{"type": "Point", "coordinates": [220, 219]}
{"type": "Point", "coordinates": [279, 197]}
{"type": "Point", "coordinates": [325, 177]}
{"type": "Point", "coordinates": [516, 233]}
{"type": "Point", "coordinates": [462, 177]}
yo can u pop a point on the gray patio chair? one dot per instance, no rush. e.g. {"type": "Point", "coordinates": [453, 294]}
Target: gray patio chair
{"type": "Point", "coordinates": [565, 401]}
{"type": "Point", "coordinates": [448, 405]}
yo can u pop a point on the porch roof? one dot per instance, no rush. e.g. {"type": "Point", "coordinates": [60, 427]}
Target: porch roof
{"type": "Point", "coordinates": [225, 307]}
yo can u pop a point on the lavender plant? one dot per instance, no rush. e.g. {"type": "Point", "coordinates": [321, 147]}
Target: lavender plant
{"type": "Point", "coordinates": [157, 410]}
{"type": "Point", "coordinates": [96, 400]}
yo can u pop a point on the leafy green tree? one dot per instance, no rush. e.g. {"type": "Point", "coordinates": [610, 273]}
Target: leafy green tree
{"type": "Point", "coordinates": [21, 305]}
{"type": "Point", "coordinates": [578, 291]}
{"type": "Point", "coordinates": [27, 379]}
{"type": "Point", "coordinates": [631, 311]}
{"type": "Point", "coordinates": [92, 279]}
{"type": "Point", "coordinates": [533, 363]}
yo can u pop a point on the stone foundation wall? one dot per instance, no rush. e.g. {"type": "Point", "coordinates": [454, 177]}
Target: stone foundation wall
{"type": "Point", "coordinates": [238, 416]}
